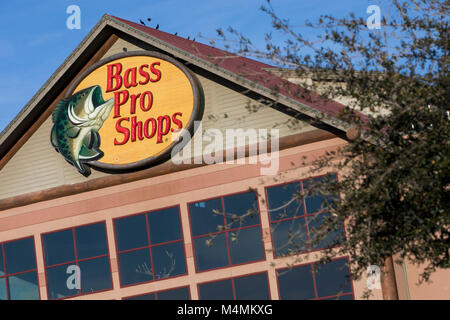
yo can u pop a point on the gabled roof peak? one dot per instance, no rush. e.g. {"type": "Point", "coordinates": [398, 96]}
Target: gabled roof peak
{"type": "Point", "coordinates": [250, 74]}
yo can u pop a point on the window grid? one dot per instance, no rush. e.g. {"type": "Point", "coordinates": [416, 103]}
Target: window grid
{"type": "Point", "coordinates": [75, 249]}
{"type": "Point", "coordinates": [232, 279]}
{"type": "Point", "coordinates": [233, 288]}
{"type": "Point", "coordinates": [226, 231]}
{"type": "Point", "coordinates": [6, 272]}
{"type": "Point", "coordinates": [304, 215]}
{"type": "Point", "coordinates": [6, 275]}
{"type": "Point", "coordinates": [313, 275]}
{"type": "Point", "coordinates": [157, 292]}
{"type": "Point", "coordinates": [316, 295]}
{"type": "Point", "coordinates": [150, 246]}
{"type": "Point", "coordinates": [77, 261]}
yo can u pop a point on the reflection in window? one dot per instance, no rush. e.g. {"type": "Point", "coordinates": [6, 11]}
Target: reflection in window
{"type": "Point", "coordinates": [252, 287]}
{"type": "Point", "coordinates": [332, 279]}
{"type": "Point", "coordinates": [313, 281]}
{"type": "Point", "coordinates": [296, 283]}
{"type": "Point", "coordinates": [297, 212]}
{"type": "Point", "coordinates": [18, 273]}
{"type": "Point", "coordinates": [285, 201]}
{"type": "Point", "coordinates": [226, 231]}
{"type": "Point", "coordinates": [150, 246]}
{"type": "Point", "coordinates": [83, 249]}
{"type": "Point", "coordinates": [171, 294]}
{"type": "Point", "coordinates": [218, 290]}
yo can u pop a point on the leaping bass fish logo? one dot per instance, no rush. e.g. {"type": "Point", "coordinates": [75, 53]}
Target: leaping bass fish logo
{"type": "Point", "coordinates": [76, 122]}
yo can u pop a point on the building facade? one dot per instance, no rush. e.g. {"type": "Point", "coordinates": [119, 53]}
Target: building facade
{"type": "Point", "coordinates": [193, 229]}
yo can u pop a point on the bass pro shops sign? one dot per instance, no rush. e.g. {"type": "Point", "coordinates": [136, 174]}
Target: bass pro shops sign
{"type": "Point", "coordinates": [126, 113]}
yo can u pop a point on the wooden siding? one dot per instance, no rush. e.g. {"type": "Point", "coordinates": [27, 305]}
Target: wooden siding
{"type": "Point", "coordinates": [36, 166]}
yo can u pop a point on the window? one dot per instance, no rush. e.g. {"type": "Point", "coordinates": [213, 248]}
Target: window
{"type": "Point", "coordinates": [150, 246]}
{"type": "Point", "coordinates": [171, 294]}
{"type": "Point", "coordinates": [18, 273]}
{"type": "Point", "coordinates": [83, 249]}
{"type": "Point", "coordinates": [296, 214]}
{"type": "Point", "coordinates": [226, 231]}
{"type": "Point", "coordinates": [312, 281]}
{"type": "Point", "coordinates": [252, 287]}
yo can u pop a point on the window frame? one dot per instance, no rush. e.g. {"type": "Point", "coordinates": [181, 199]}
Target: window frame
{"type": "Point", "coordinates": [304, 216]}
{"type": "Point", "coordinates": [266, 272]}
{"type": "Point", "coordinates": [159, 291]}
{"type": "Point", "coordinates": [311, 265]}
{"type": "Point", "coordinates": [76, 261]}
{"type": "Point", "coordinates": [149, 246]}
{"type": "Point", "coordinates": [225, 231]}
{"type": "Point", "coordinates": [6, 275]}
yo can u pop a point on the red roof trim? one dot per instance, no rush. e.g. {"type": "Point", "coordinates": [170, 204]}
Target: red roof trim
{"type": "Point", "coordinates": [249, 69]}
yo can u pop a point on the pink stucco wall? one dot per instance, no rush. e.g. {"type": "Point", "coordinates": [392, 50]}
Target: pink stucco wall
{"type": "Point", "coordinates": [176, 189]}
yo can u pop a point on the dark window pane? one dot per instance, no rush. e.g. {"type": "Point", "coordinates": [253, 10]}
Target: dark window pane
{"type": "Point", "coordinates": [91, 240]}
{"type": "Point", "coordinates": [24, 286]}
{"type": "Point", "coordinates": [254, 287]}
{"type": "Point", "coordinates": [213, 256]}
{"type": "Point", "coordinates": [131, 232]}
{"type": "Point", "coordinates": [174, 294]}
{"type": "Point", "coordinates": [57, 282]}
{"type": "Point", "coordinates": [150, 296]}
{"type": "Point", "coordinates": [95, 275]}
{"type": "Point", "coordinates": [203, 220]}
{"type": "Point", "coordinates": [135, 267]}
{"type": "Point", "coordinates": [3, 295]}
{"type": "Point", "coordinates": [289, 236]}
{"type": "Point", "coordinates": [164, 225]}
{"type": "Point", "coordinates": [296, 283]}
{"type": "Point", "coordinates": [2, 267]}
{"type": "Point", "coordinates": [238, 205]}
{"type": "Point", "coordinates": [314, 223]}
{"type": "Point", "coordinates": [315, 204]}
{"type": "Point", "coordinates": [247, 246]}
{"type": "Point", "coordinates": [19, 255]}
{"type": "Point", "coordinates": [332, 278]}
{"type": "Point", "coordinates": [169, 260]}
{"type": "Point", "coordinates": [315, 201]}
{"type": "Point", "coordinates": [278, 197]}
{"type": "Point", "coordinates": [219, 290]}
{"type": "Point", "coordinates": [58, 247]}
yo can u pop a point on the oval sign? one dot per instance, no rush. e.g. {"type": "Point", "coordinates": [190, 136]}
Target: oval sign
{"type": "Point", "coordinates": [126, 112]}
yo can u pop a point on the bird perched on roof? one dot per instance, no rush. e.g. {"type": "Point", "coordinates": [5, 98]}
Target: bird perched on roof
{"type": "Point", "coordinates": [157, 27]}
{"type": "Point", "coordinates": [142, 22]}
{"type": "Point", "coordinates": [175, 33]}
{"type": "Point", "coordinates": [149, 19]}
{"type": "Point", "coordinates": [188, 37]}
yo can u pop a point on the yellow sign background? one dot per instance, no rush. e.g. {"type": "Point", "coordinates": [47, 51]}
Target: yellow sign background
{"type": "Point", "coordinates": [172, 93]}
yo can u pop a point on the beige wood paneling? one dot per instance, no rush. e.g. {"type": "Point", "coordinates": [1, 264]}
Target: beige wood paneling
{"type": "Point", "coordinates": [37, 166]}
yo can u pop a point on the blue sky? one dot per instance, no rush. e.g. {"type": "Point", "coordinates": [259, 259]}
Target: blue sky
{"type": "Point", "coordinates": [34, 39]}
